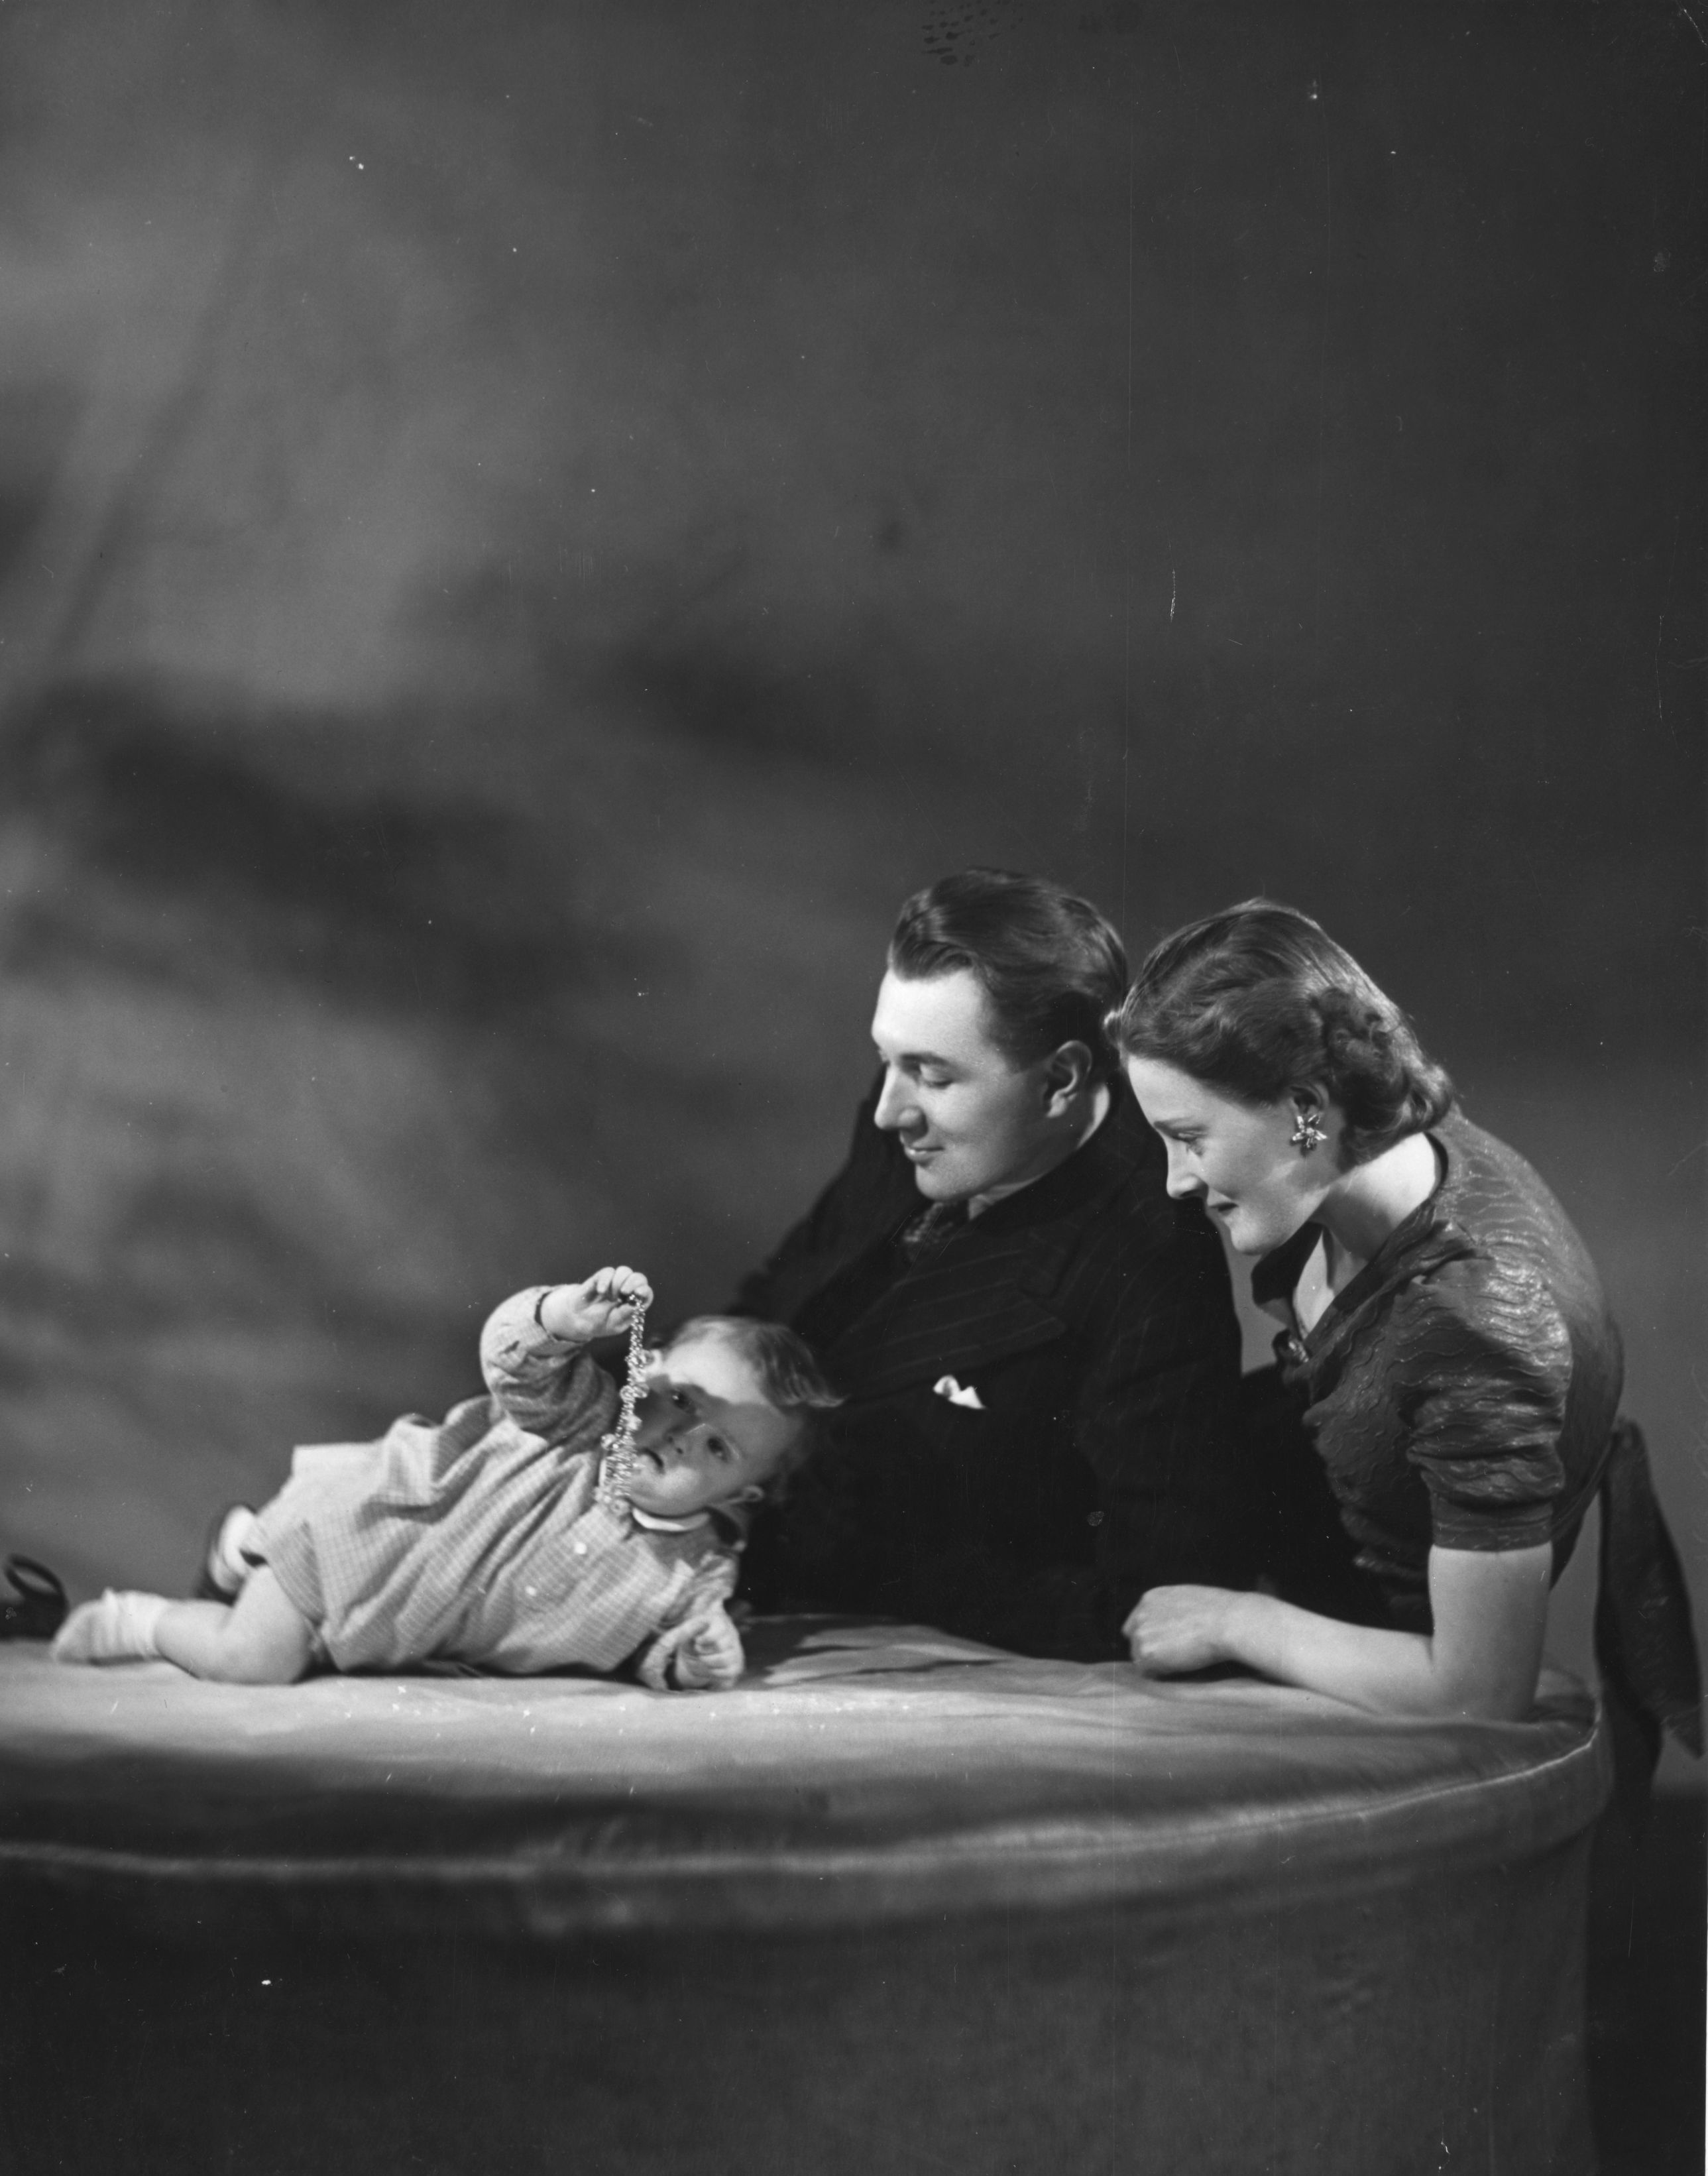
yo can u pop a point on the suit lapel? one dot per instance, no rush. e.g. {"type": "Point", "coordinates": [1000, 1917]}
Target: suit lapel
{"type": "Point", "coordinates": [987, 1291]}
{"type": "Point", "coordinates": [967, 1304]}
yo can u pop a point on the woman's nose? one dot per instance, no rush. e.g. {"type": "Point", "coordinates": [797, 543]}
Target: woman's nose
{"type": "Point", "coordinates": [1183, 1182]}
{"type": "Point", "coordinates": [892, 1101]}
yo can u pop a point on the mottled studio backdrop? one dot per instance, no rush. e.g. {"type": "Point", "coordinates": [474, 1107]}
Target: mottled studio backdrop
{"type": "Point", "coordinates": [524, 530]}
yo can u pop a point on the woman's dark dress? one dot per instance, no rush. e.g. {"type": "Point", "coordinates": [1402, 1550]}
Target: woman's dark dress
{"type": "Point", "coordinates": [1461, 1392]}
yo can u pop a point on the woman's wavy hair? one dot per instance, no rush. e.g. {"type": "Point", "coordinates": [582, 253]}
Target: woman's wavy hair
{"type": "Point", "coordinates": [1258, 1001]}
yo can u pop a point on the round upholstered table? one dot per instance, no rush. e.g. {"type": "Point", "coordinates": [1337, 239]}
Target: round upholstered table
{"type": "Point", "coordinates": [896, 1904]}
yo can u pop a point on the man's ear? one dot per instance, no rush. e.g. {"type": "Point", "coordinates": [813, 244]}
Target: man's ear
{"type": "Point", "coordinates": [1067, 1075]}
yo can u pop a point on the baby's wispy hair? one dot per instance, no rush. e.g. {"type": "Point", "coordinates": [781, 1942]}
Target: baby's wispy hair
{"type": "Point", "coordinates": [790, 1376]}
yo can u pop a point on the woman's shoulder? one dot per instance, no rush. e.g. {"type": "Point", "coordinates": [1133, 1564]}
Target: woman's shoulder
{"type": "Point", "coordinates": [1481, 1315]}
{"type": "Point", "coordinates": [1495, 1283]}
{"type": "Point", "coordinates": [1500, 1200]}
{"type": "Point", "coordinates": [1518, 1249]}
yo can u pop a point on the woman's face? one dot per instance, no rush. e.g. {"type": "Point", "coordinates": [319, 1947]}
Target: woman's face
{"type": "Point", "coordinates": [1238, 1157]}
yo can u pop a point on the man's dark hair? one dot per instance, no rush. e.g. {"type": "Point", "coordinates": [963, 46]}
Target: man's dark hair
{"type": "Point", "coordinates": [1050, 964]}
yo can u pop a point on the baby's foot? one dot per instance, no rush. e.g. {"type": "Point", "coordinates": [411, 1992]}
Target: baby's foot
{"type": "Point", "coordinates": [119, 1628]}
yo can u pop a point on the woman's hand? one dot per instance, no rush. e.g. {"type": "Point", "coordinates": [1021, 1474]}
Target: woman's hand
{"type": "Point", "coordinates": [603, 1307]}
{"type": "Point", "coordinates": [1176, 1628]}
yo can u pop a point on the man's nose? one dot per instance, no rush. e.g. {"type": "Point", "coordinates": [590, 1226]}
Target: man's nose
{"type": "Point", "coordinates": [895, 1103]}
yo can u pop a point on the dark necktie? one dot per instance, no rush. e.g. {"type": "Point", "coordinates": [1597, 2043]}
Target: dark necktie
{"type": "Point", "coordinates": [925, 1233]}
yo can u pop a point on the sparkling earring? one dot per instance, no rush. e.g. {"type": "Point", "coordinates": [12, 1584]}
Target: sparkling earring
{"type": "Point", "coordinates": [1307, 1134]}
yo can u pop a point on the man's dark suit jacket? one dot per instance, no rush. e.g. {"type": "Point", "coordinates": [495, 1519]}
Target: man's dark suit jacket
{"type": "Point", "coordinates": [1092, 1318]}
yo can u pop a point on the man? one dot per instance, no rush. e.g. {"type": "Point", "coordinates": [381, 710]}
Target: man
{"type": "Point", "coordinates": [1038, 1348]}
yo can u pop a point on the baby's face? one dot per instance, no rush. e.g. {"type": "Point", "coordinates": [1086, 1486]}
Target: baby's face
{"type": "Point", "coordinates": [706, 1435]}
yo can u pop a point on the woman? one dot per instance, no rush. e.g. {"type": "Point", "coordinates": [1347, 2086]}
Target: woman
{"type": "Point", "coordinates": [1444, 1334]}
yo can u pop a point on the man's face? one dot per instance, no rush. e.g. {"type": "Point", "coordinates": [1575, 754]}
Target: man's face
{"type": "Point", "coordinates": [706, 1432]}
{"type": "Point", "coordinates": [969, 1119]}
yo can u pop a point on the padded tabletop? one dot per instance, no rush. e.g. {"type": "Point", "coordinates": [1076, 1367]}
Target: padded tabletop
{"type": "Point", "coordinates": [860, 1768]}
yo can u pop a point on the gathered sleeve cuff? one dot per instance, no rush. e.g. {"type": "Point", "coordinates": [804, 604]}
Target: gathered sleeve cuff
{"type": "Point", "coordinates": [546, 1385]}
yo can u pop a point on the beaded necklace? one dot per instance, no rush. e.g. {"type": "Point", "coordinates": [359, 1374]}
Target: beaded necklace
{"type": "Point", "coordinates": [619, 1462]}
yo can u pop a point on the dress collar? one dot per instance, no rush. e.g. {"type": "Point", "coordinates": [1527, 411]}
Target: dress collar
{"type": "Point", "coordinates": [1429, 1236]}
{"type": "Point", "coordinates": [654, 1524]}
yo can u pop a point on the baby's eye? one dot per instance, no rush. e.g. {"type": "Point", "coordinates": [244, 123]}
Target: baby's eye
{"type": "Point", "coordinates": [716, 1446]}
{"type": "Point", "coordinates": [679, 1398]}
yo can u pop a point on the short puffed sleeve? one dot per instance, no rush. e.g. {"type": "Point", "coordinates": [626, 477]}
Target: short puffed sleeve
{"type": "Point", "coordinates": [1484, 1362]}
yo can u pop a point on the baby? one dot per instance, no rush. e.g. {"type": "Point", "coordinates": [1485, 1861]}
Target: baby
{"type": "Point", "coordinates": [490, 1538]}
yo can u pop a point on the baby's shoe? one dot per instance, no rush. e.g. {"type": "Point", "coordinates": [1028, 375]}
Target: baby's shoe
{"type": "Point", "coordinates": [39, 1610]}
{"type": "Point", "coordinates": [119, 1628]}
{"type": "Point", "coordinates": [225, 1565]}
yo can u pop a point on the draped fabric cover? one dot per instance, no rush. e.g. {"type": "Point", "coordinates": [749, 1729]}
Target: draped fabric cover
{"type": "Point", "coordinates": [896, 1902]}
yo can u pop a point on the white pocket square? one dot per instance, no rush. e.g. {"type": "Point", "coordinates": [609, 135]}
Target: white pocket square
{"type": "Point", "coordinates": [946, 1387]}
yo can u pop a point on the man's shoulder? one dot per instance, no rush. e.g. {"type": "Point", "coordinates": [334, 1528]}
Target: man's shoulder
{"type": "Point", "coordinates": [1113, 1190]}
{"type": "Point", "coordinates": [1101, 1231]}
{"type": "Point", "coordinates": [869, 1193]}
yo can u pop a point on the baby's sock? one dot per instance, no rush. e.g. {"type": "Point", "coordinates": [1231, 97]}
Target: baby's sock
{"type": "Point", "coordinates": [119, 1628]}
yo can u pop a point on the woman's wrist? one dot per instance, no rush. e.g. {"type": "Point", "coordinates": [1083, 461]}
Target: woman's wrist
{"type": "Point", "coordinates": [1250, 1618]}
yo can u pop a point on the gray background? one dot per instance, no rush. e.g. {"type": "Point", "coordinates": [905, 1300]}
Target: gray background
{"type": "Point", "coordinates": [525, 530]}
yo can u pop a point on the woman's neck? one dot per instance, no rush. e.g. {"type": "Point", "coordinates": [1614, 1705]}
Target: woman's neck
{"type": "Point", "coordinates": [1362, 1209]}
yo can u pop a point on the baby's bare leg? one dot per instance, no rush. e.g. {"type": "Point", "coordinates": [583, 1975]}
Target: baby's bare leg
{"type": "Point", "coordinates": [262, 1639]}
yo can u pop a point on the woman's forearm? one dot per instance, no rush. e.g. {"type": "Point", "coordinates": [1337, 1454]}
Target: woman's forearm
{"type": "Point", "coordinates": [1391, 1673]}
{"type": "Point", "coordinates": [1489, 1610]}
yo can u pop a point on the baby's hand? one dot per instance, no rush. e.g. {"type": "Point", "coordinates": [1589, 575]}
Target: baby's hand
{"type": "Point", "coordinates": [711, 1656]}
{"type": "Point", "coordinates": [702, 1654]}
{"type": "Point", "coordinates": [602, 1307]}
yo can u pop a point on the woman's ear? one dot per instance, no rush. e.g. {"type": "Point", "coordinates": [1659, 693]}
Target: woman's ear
{"type": "Point", "coordinates": [1067, 1075]}
{"type": "Point", "coordinates": [1313, 1121]}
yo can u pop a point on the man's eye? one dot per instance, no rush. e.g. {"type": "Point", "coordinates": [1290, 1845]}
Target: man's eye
{"type": "Point", "coordinates": [933, 1080]}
